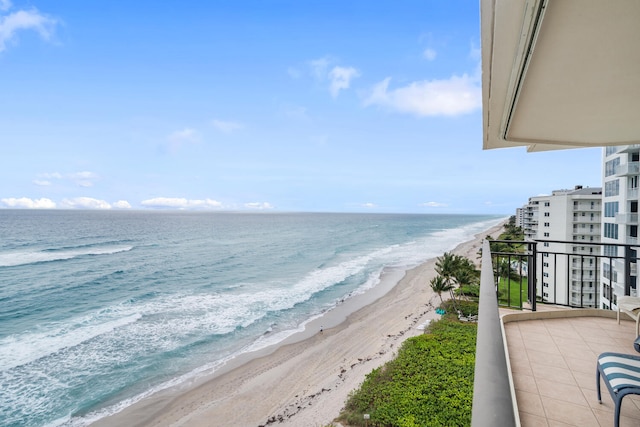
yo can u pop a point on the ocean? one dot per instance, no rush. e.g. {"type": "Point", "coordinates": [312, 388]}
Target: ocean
{"type": "Point", "coordinates": [99, 309]}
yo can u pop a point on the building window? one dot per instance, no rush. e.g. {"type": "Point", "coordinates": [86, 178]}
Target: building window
{"type": "Point", "coordinates": [546, 234]}
{"type": "Point", "coordinates": [610, 209]}
{"type": "Point", "coordinates": [546, 224]}
{"type": "Point", "coordinates": [612, 188]}
{"type": "Point", "coordinates": [610, 230]}
{"type": "Point", "coordinates": [610, 166]}
{"type": "Point", "coordinates": [546, 203]}
{"type": "Point", "coordinates": [610, 150]}
{"type": "Point", "coordinates": [546, 214]}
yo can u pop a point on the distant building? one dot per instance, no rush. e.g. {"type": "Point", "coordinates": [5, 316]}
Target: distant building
{"type": "Point", "coordinates": [620, 220]}
{"type": "Point", "coordinates": [567, 216]}
{"type": "Point", "coordinates": [520, 213]}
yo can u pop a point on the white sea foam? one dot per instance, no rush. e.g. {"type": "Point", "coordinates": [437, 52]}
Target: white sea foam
{"type": "Point", "coordinates": [12, 259]}
{"type": "Point", "coordinates": [20, 349]}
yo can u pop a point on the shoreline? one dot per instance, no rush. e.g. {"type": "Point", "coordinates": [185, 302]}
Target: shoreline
{"type": "Point", "coordinates": [305, 379]}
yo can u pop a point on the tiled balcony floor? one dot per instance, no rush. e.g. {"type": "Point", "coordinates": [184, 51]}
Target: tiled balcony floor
{"type": "Point", "coordinates": [553, 362]}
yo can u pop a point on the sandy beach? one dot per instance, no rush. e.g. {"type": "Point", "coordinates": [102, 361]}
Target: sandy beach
{"type": "Point", "coordinates": [306, 380]}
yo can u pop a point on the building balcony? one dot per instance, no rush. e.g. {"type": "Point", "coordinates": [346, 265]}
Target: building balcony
{"type": "Point", "coordinates": [633, 148]}
{"type": "Point", "coordinates": [552, 355]}
{"type": "Point", "coordinates": [632, 193]}
{"type": "Point", "coordinates": [586, 207]}
{"type": "Point", "coordinates": [536, 365]}
{"type": "Point", "coordinates": [587, 219]}
{"type": "Point", "coordinates": [627, 218]}
{"type": "Point", "coordinates": [619, 266]}
{"type": "Point", "coordinates": [631, 168]}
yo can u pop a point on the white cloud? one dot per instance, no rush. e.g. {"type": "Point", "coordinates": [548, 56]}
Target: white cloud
{"type": "Point", "coordinates": [21, 20]}
{"type": "Point", "coordinates": [182, 137]}
{"type": "Point", "coordinates": [27, 203]}
{"type": "Point", "coordinates": [82, 179]}
{"type": "Point", "coordinates": [429, 54]}
{"type": "Point", "coordinates": [369, 205]}
{"type": "Point", "coordinates": [54, 175]}
{"type": "Point", "coordinates": [85, 203]}
{"type": "Point", "coordinates": [433, 205]}
{"type": "Point", "coordinates": [181, 203]}
{"type": "Point", "coordinates": [226, 126]}
{"type": "Point", "coordinates": [319, 67]}
{"type": "Point", "coordinates": [454, 96]}
{"type": "Point", "coordinates": [122, 204]}
{"type": "Point", "coordinates": [258, 205]}
{"type": "Point", "coordinates": [341, 79]}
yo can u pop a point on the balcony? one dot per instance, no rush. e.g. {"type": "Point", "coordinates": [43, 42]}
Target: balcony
{"type": "Point", "coordinates": [631, 168]}
{"type": "Point", "coordinates": [552, 358]}
{"type": "Point", "coordinates": [587, 219]}
{"type": "Point", "coordinates": [535, 366]}
{"type": "Point", "coordinates": [627, 218]}
{"type": "Point", "coordinates": [632, 193]}
{"type": "Point", "coordinates": [633, 148]}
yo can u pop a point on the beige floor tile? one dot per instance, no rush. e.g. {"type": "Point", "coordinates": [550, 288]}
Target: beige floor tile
{"type": "Point", "coordinates": [544, 358]}
{"type": "Point", "coordinates": [525, 383]}
{"type": "Point", "coordinates": [568, 413]}
{"type": "Point", "coordinates": [530, 403]}
{"type": "Point", "coordinates": [561, 392]}
{"type": "Point", "coordinates": [559, 375]}
{"type": "Point", "coordinates": [530, 420]}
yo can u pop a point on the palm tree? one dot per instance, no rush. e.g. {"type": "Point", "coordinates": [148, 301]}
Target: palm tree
{"type": "Point", "coordinates": [446, 265]}
{"type": "Point", "coordinates": [440, 284]}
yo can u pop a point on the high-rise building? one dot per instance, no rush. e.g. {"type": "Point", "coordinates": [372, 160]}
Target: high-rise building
{"type": "Point", "coordinates": [567, 222]}
{"type": "Point", "coordinates": [620, 221]}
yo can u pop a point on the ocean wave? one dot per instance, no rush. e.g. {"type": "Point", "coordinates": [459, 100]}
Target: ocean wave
{"type": "Point", "coordinates": [13, 259]}
{"type": "Point", "coordinates": [24, 348]}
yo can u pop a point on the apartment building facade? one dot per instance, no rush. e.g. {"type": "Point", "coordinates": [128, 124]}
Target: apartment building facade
{"type": "Point", "coordinates": [621, 171]}
{"type": "Point", "coordinates": [572, 216]}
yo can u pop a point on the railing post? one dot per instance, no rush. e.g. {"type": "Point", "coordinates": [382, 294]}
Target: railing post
{"type": "Point", "coordinates": [627, 270]}
{"type": "Point", "coordinates": [492, 400]}
{"type": "Point", "coordinates": [533, 268]}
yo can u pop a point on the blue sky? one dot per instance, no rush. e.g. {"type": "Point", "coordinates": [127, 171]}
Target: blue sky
{"type": "Point", "coordinates": [354, 106]}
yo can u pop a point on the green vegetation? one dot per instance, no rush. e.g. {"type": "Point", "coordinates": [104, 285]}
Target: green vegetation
{"type": "Point", "coordinates": [454, 270]}
{"type": "Point", "coordinates": [513, 289]}
{"type": "Point", "coordinates": [511, 232]}
{"type": "Point", "coordinates": [430, 383]}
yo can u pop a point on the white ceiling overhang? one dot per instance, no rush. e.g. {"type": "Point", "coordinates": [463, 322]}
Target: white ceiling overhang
{"type": "Point", "coordinates": [560, 73]}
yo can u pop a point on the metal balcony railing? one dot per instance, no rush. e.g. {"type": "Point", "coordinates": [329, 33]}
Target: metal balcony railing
{"type": "Point", "coordinates": [529, 272]}
{"type": "Point", "coordinates": [516, 272]}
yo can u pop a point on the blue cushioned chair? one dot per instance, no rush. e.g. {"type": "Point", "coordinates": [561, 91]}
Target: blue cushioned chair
{"type": "Point", "coordinates": [621, 374]}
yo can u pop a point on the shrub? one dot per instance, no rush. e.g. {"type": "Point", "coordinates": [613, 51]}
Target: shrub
{"type": "Point", "coordinates": [429, 383]}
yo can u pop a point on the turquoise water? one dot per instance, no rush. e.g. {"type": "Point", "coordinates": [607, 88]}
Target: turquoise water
{"type": "Point", "coordinates": [100, 309]}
